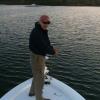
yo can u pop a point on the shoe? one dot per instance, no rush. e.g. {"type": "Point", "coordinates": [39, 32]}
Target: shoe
{"type": "Point", "coordinates": [47, 82]}
{"type": "Point", "coordinates": [31, 94]}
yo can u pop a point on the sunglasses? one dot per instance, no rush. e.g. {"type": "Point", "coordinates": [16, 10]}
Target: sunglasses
{"type": "Point", "coordinates": [48, 22]}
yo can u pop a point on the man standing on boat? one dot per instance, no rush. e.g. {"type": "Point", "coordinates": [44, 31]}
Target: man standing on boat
{"type": "Point", "coordinates": [39, 45]}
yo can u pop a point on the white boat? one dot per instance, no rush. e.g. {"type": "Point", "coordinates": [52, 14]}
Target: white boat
{"type": "Point", "coordinates": [56, 90]}
{"type": "Point", "coordinates": [33, 4]}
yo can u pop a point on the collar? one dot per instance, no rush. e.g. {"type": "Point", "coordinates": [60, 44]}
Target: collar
{"type": "Point", "coordinates": [37, 25]}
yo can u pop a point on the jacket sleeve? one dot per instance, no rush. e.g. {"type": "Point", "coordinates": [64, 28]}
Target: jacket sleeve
{"type": "Point", "coordinates": [48, 46]}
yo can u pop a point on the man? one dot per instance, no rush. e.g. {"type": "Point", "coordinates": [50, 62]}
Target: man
{"type": "Point", "coordinates": [39, 45]}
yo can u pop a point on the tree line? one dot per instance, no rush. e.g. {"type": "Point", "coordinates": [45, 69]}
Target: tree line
{"type": "Point", "coordinates": [54, 2]}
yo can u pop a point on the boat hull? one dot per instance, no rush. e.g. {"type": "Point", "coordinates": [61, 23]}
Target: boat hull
{"type": "Point", "coordinates": [56, 90]}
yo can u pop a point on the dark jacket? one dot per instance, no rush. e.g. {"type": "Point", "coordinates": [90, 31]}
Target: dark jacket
{"type": "Point", "coordinates": [39, 42]}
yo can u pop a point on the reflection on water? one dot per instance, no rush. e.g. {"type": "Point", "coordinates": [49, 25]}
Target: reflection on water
{"type": "Point", "coordinates": [74, 30]}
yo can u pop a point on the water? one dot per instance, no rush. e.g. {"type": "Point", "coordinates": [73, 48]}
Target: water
{"type": "Point", "coordinates": [75, 31]}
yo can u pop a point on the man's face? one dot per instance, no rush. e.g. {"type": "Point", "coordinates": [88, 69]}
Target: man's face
{"type": "Point", "coordinates": [45, 24]}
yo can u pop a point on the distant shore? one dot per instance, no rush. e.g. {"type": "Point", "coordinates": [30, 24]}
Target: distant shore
{"type": "Point", "coordinates": [51, 3]}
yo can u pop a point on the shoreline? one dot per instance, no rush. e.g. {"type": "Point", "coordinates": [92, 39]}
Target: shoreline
{"type": "Point", "coordinates": [49, 5]}
{"type": "Point", "coordinates": [39, 4]}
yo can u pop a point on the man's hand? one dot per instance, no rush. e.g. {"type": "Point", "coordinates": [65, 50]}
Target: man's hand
{"type": "Point", "coordinates": [56, 51]}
